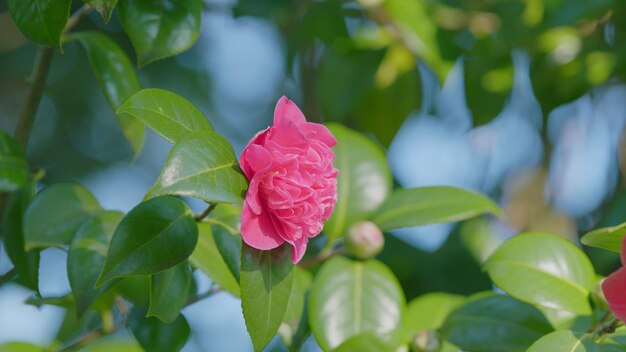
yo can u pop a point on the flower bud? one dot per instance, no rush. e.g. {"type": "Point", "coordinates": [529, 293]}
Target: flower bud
{"type": "Point", "coordinates": [425, 341]}
{"type": "Point", "coordinates": [598, 298]}
{"type": "Point", "coordinates": [364, 240]}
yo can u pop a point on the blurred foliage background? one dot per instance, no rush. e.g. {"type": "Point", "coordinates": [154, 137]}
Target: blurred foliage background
{"type": "Point", "coordinates": [519, 99]}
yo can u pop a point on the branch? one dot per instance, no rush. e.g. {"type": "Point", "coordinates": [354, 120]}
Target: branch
{"type": "Point", "coordinates": [205, 213]}
{"type": "Point", "coordinates": [92, 335]}
{"type": "Point", "coordinates": [199, 297]}
{"type": "Point", "coordinates": [321, 256]}
{"type": "Point", "coordinates": [8, 276]}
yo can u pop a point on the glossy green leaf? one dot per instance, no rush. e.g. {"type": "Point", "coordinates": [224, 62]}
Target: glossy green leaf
{"type": "Point", "coordinates": [607, 237]}
{"type": "Point", "coordinates": [429, 311]}
{"type": "Point", "coordinates": [26, 263]}
{"type": "Point", "coordinates": [156, 336]}
{"type": "Point", "coordinates": [169, 290]}
{"type": "Point", "coordinates": [544, 270]}
{"type": "Point", "coordinates": [225, 223]}
{"type": "Point", "coordinates": [429, 205]}
{"type": "Point", "coordinates": [117, 79]}
{"type": "Point", "coordinates": [302, 280]}
{"type": "Point", "coordinates": [208, 258]}
{"type": "Point", "coordinates": [168, 114]}
{"type": "Point", "coordinates": [498, 323]}
{"type": "Point", "coordinates": [363, 183]}
{"type": "Point", "coordinates": [135, 289]}
{"type": "Point", "coordinates": [56, 213]}
{"type": "Point", "coordinates": [371, 342]}
{"type": "Point", "coordinates": [564, 341]}
{"type": "Point", "coordinates": [160, 28]}
{"type": "Point", "coordinates": [13, 165]}
{"type": "Point", "coordinates": [353, 297]}
{"type": "Point", "coordinates": [41, 21]}
{"type": "Point", "coordinates": [154, 236]}
{"type": "Point", "coordinates": [20, 347]}
{"type": "Point", "coordinates": [104, 7]}
{"type": "Point", "coordinates": [203, 166]}
{"type": "Point", "coordinates": [86, 257]}
{"type": "Point", "coordinates": [266, 283]}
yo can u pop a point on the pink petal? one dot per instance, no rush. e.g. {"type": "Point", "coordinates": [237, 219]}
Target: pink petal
{"type": "Point", "coordinates": [319, 132]}
{"type": "Point", "coordinates": [287, 113]}
{"type": "Point", "coordinates": [257, 230]}
{"type": "Point", "coordinates": [254, 158]}
{"type": "Point", "coordinates": [623, 253]}
{"type": "Point", "coordinates": [614, 288]}
{"type": "Point", "coordinates": [298, 248]}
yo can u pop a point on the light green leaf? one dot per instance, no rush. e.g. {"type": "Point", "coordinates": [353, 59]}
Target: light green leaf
{"type": "Point", "coordinates": [607, 237]}
{"type": "Point", "coordinates": [56, 213]}
{"type": "Point", "coordinates": [266, 283]}
{"type": "Point", "coordinates": [498, 323]}
{"type": "Point", "coordinates": [13, 165]}
{"type": "Point", "coordinates": [41, 21]}
{"type": "Point", "coordinates": [544, 270]}
{"type": "Point", "coordinates": [169, 290]}
{"type": "Point", "coordinates": [104, 7]}
{"type": "Point", "coordinates": [203, 166]}
{"type": "Point", "coordinates": [363, 183]}
{"type": "Point", "coordinates": [154, 236]}
{"type": "Point", "coordinates": [160, 28]}
{"type": "Point", "coordinates": [20, 347]}
{"type": "Point", "coordinates": [564, 341]}
{"type": "Point", "coordinates": [117, 79]}
{"type": "Point", "coordinates": [353, 297]}
{"type": "Point", "coordinates": [208, 258]}
{"type": "Point", "coordinates": [168, 114]}
{"type": "Point", "coordinates": [26, 263]}
{"type": "Point", "coordinates": [429, 205]}
{"type": "Point", "coordinates": [372, 342]}
{"type": "Point", "coordinates": [156, 336]}
{"type": "Point", "coordinates": [302, 280]}
{"type": "Point", "coordinates": [429, 311]}
{"type": "Point", "coordinates": [86, 257]}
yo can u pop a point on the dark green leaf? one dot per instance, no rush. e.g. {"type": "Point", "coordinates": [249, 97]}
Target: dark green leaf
{"type": "Point", "coordinates": [169, 290]}
{"type": "Point", "coordinates": [135, 289]}
{"type": "Point", "coordinates": [225, 223]}
{"type": "Point", "coordinates": [203, 166]}
{"type": "Point", "coordinates": [104, 7]}
{"type": "Point", "coordinates": [168, 114]}
{"type": "Point", "coordinates": [160, 28]}
{"type": "Point", "coordinates": [13, 166]}
{"type": "Point", "coordinates": [208, 258]}
{"type": "Point", "coordinates": [41, 21]}
{"type": "Point", "coordinates": [156, 336]}
{"type": "Point", "coordinates": [55, 213]}
{"type": "Point", "coordinates": [564, 341]}
{"type": "Point", "coordinates": [544, 270]}
{"type": "Point", "coordinates": [363, 183]}
{"type": "Point", "coordinates": [302, 280]}
{"type": "Point", "coordinates": [353, 297]}
{"type": "Point", "coordinates": [608, 238]}
{"type": "Point", "coordinates": [498, 323]}
{"type": "Point", "coordinates": [429, 205]}
{"type": "Point", "coordinates": [266, 283]}
{"type": "Point", "coordinates": [429, 311]}
{"type": "Point", "coordinates": [154, 236]}
{"type": "Point", "coordinates": [26, 263]}
{"type": "Point", "coordinates": [117, 79]}
{"type": "Point", "coordinates": [86, 257]}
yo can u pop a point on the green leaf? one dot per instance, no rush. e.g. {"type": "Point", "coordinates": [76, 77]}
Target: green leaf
{"type": "Point", "coordinates": [160, 28]}
{"type": "Point", "coordinates": [564, 341]}
{"type": "Point", "coordinates": [203, 166]}
{"type": "Point", "coordinates": [168, 114]}
{"type": "Point", "coordinates": [135, 289]}
{"type": "Point", "coordinates": [429, 311]}
{"type": "Point", "coordinates": [104, 7]}
{"type": "Point", "coordinates": [225, 222]}
{"type": "Point", "coordinates": [20, 347]}
{"type": "Point", "coordinates": [13, 165]}
{"type": "Point", "coordinates": [117, 79]}
{"type": "Point", "coordinates": [41, 21]}
{"type": "Point", "coordinates": [353, 297]}
{"type": "Point", "coordinates": [266, 283]}
{"type": "Point", "coordinates": [607, 237]}
{"type": "Point", "coordinates": [429, 205]}
{"type": "Point", "coordinates": [371, 342]}
{"type": "Point", "coordinates": [26, 263]}
{"type": "Point", "coordinates": [544, 270]}
{"type": "Point", "coordinates": [56, 213]}
{"type": "Point", "coordinates": [87, 255]}
{"type": "Point", "coordinates": [156, 336]}
{"type": "Point", "coordinates": [302, 280]}
{"type": "Point", "coordinates": [154, 236]}
{"type": "Point", "coordinates": [208, 258]}
{"type": "Point", "coordinates": [363, 183]}
{"type": "Point", "coordinates": [498, 323]}
{"type": "Point", "coordinates": [169, 290]}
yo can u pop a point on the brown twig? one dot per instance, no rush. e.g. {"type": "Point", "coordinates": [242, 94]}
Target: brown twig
{"type": "Point", "coordinates": [205, 213]}
{"type": "Point", "coordinates": [321, 256]}
{"type": "Point", "coordinates": [91, 336]}
{"type": "Point", "coordinates": [213, 290]}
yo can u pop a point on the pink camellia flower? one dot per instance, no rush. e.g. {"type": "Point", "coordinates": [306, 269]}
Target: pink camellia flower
{"type": "Point", "coordinates": [614, 288]}
{"type": "Point", "coordinates": [293, 184]}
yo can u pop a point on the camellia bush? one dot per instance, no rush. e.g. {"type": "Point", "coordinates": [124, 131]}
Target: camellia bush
{"type": "Point", "coordinates": [296, 183]}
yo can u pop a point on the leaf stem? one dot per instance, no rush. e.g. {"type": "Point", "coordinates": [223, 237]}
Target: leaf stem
{"type": "Point", "coordinates": [8, 276]}
{"type": "Point", "coordinates": [605, 329]}
{"type": "Point", "coordinates": [321, 256]}
{"type": "Point", "coordinates": [205, 213]}
{"type": "Point", "coordinates": [213, 290]}
{"type": "Point", "coordinates": [93, 335]}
